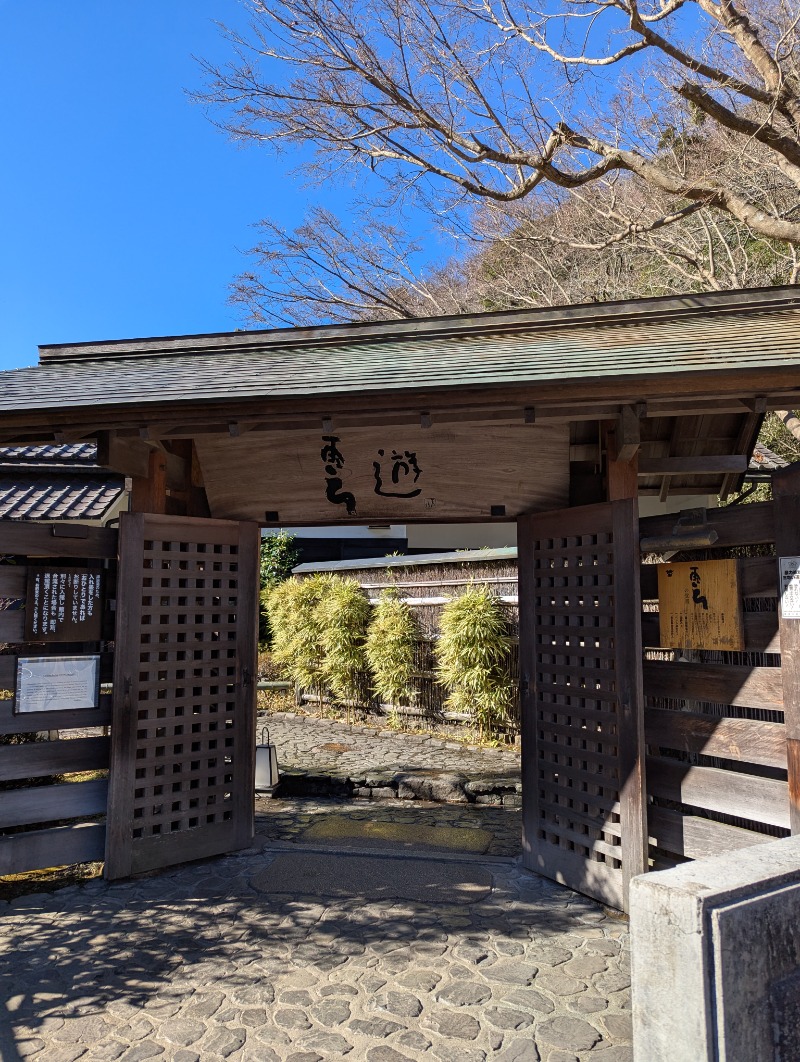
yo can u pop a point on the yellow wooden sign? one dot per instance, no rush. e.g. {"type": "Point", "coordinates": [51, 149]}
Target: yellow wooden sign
{"type": "Point", "coordinates": [699, 605]}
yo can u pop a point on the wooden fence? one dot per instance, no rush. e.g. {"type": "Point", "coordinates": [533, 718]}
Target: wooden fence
{"type": "Point", "coordinates": [714, 721]}
{"type": "Point", "coordinates": [47, 820]}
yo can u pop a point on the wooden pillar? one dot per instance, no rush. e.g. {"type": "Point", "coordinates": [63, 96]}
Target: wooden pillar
{"type": "Point", "coordinates": [149, 494]}
{"type": "Point", "coordinates": [622, 467]}
{"type": "Point", "coordinates": [527, 684]}
{"type": "Point", "coordinates": [786, 494]}
{"type": "Point", "coordinates": [622, 462]}
{"type": "Point", "coordinates": [630, 691]}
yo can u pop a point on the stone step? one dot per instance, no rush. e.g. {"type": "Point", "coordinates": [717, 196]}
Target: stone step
{"type": "Point", "coordinates": [444, 787]}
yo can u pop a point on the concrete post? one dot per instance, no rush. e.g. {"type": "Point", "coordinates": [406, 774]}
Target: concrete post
{"type": "Point", "coordinates": [716, 958]}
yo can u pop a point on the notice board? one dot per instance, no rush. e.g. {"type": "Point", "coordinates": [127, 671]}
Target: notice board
{"type": "Point", "coordinates": [63, 605]}
{"type": "Point", "coordinates": [700, 606]}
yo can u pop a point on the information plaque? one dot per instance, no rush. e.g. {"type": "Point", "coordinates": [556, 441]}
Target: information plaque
{"type": "Point", "coordinates": [57, 683]}
{"type": "Point", "coordinates": [790, 587]}
{"type": "Point", "coordinates": [699, 605]}
{"type": "Point", "coordinates": [63, 605]}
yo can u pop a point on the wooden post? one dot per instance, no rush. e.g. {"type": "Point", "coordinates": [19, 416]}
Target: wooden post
{"type": "Point", "coordinates": [149, 495]}
{"type": "Point", "coordinates": [786, 493]}
{"type": "Point", "coordinates": [622, 471]}
{"type": "Point", "coordinates": [527, 685]}
{"type": "Point", "coordinates": [622, 454]}
{"type": "Point", "coordinates": [630, 692]}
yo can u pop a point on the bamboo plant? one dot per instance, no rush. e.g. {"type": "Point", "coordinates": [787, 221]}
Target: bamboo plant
{"type": "Point", "coordinates": [390, 645]}
{"type": "Point", "coordinates": [342, 616]}
{"type": "Point", "coordinates": [472, 657]}
{"type": "Point", "coordinates": [295, 620]}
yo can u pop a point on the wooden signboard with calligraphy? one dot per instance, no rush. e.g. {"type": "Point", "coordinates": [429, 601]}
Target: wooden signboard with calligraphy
{"type": "Point", "coordinates": [63, 605]}
{"type": "Point", "coordinates": [700, 606]}
{"type": "Point", "coordinates": [396, 474]}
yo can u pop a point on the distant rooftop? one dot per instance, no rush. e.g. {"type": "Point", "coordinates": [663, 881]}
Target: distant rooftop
{"type": "Point", "coordinates": [459, 556]}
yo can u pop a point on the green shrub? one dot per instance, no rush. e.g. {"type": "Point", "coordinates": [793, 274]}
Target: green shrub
{"type": "Point", "coordinates": [342, 617]}
{"type": "Point", "coordinates": [295, 622]}
{"type": "Point", "coordinates": [391, 639]}
{"type": "Point", "coordinates": [472, 655]}
{"type": "Point", "coordinates": [278, 555]}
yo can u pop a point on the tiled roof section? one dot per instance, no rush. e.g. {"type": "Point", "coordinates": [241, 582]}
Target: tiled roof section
{"type": "Point", "coordinates": [754, 337]}
{"type": "Point", "coordinates": [50, 455]}
{"type": "Point", "coordinates": [764, 460]}
{"type": "Point", "coordinates": [64, 497]}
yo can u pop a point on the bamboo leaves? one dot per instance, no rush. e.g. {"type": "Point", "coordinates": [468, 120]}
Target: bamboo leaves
{"type": "Point", "coordinates": [343, 614]}
{"type": "Point", "coordinates": [473, 658]}
{"type": "Point", "coordinates": [329, 637]}
{"type": "Point", "coordinates": [391, 641]}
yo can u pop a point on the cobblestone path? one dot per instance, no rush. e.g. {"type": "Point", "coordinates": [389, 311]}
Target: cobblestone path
{"type": "Point", "coordinates": [326, 745]}
{"type": "Point", "coordinates": [352, 929]}
{"type": "Point", "coordinates": [207, 962]}
{"type": "Point", "coordinates": [295, 820]}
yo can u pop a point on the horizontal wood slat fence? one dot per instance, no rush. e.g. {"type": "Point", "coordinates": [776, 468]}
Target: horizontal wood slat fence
{"type": "Point", "coordinates": [714, 721]}
{"type": "Point", "coordinates": [47, 820]}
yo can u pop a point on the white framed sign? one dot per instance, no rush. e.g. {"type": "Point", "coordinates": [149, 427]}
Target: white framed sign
{"type": "Point", "coordinates": [57, 683]}
{"type": "Point", "coordinates": [790, 587]}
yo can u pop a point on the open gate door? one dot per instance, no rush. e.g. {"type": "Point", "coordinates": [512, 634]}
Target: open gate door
{"type": "Point", "coordinates": [182, 737]}
{"type": "Point", "coordinates": [584, 814]}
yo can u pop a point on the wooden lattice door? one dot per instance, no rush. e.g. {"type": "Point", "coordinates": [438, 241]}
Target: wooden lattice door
{"type": "Point", "coordinates": [582, 703]}
{"type": "Point", "coordinates": [183, 749]}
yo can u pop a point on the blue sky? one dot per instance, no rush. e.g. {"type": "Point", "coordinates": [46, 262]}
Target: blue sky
{"type": "Point", "coordinates": [124, 210]}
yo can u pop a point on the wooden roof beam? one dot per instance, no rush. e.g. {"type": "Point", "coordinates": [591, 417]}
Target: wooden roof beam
{"type": "Point", "coordinates": [705, 465]}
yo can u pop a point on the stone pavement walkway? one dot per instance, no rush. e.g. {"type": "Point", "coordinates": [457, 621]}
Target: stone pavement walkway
{"type": "Point", "coordinates": [320, 757]}
{"type": "Point", "coordinates": [480, 829]}
{"type": "Point", "coordinates": [271, 956]}
{"type": "Point", "coordinates": [371, 930]}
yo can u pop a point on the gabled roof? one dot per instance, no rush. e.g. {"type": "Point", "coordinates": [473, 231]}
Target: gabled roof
{"type": "Point", "coordinates": [571, 347]}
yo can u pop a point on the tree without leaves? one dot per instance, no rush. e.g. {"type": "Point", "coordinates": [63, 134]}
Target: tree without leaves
{"type": "Point", "coordinates": [607, 241]}
{"type": "Point", "coordinates": [454, 91]}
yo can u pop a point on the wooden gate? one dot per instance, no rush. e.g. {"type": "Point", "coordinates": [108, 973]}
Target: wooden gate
{"type": "Point", "coordinates": [581, 692]}
{"type": "Point", "coordinates": [182, 757]}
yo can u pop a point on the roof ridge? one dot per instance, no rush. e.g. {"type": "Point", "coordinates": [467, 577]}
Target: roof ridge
{"type": "Point", "coordinates": [619, 311]}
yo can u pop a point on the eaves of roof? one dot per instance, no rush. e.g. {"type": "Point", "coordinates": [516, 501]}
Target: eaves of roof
{"type": "Point", "coordinates": [766, 341]}
{"type": "Point", "coordinates": [76, 497]}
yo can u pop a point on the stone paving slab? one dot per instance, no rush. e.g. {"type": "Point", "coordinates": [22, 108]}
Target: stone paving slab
{"type": "Point", "coordinates": [197, 965]}
{"type": "Point", "coordinates": [375, 877]}
{"type": "Point", "coordinates": [322, 757]}
{"type": "Point", "coordinates": [414, 827]}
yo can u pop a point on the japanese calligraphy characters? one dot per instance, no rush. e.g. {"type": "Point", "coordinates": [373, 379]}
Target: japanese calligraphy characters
{"type": "Point", "coordinates": [404, 473]}
{"type": "Point", "coordinates": [387, 473]}
{"type": "Point", "coordinates": [333, 460]}
{"type": "Point", "coordinates": [699, 605]}
{"type": "Point", "coordinates": [63, 605]}
{"type": "Point", "coordinates": [395, 476]}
